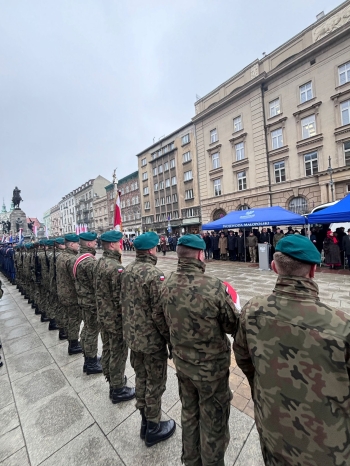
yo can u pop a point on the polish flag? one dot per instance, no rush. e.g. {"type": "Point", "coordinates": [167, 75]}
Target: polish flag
{"type": "Point", "coordinates": [117, 223]}
{"type": "Point", "coordinates": [85, 228]}
{"type": "Point", "coordinates": [77, 229]}
{"type": "Point", "coordinates": [35, 230]}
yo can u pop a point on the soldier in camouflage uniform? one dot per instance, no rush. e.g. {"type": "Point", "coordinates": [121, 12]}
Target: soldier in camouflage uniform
{"type": "Point", "coordinates": [295, 352]}
{"type": "Point", "coordinates": [83, 271]}
{"type": "Point", "coordinates": [67, 295]}
{"type": "Point", "coordinates": [44, 274]}
{"type": "Point", "coordinates": [199, 312]}
{"type": "Point", "coordinates": [107, 286]}
{"type": "Point", "coordinates": [51, 303]}
{"type": "Point", "coordinates": [147, 335]}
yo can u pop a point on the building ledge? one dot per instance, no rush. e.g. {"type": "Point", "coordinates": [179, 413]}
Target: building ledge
{"type": "Point", "coordinates": [306, 102]}
{"type": "Point", "coordinates": [273, 117]}
{"type": "Point", "coordinates": [342, 130]}
{"type": "Point", "coordinates": [215, 148]}
{"type": "Point", "coordinates": [345, 90]}
{"type": "Point", "coordinates": [280, 150]}
{"type": "Point", "coordinates": [277, 122]}
{"type": "Point", "coordinates": [307, 109]}
{"type": "Point", "coordinates": [215, 172]}
{"type": "Point", "coordinates": [238, 138]}
{"type": "Point", "coordinates": [311, 140]}
{"type": "Point", "coordinates": [239, 164]}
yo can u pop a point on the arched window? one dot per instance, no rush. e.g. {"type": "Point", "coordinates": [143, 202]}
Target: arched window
{"type": "Point", "coordinates": [243, 207]}
{"type": "Point", "coordinates": [298, 205]}
{"type": "Point", "coordinates": [219, 213]}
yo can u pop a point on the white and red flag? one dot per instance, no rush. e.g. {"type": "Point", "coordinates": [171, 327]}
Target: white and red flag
{"type": "Point", "coordinates": [117, 223]}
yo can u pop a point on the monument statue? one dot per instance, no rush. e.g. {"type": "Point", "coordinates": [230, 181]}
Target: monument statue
{"type": "Point", "coordinates": [16, 198]}
{"type": "Point", "coordinates": [19, 224]}
{"type": "Point", "coordinates": [30, 225]}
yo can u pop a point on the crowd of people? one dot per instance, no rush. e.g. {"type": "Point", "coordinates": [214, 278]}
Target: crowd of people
{"type": "Point", "coordinates": [293, 348]}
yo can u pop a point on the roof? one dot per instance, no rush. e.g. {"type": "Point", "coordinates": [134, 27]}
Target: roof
{"type": "Point", "coordinates": [129, 177]}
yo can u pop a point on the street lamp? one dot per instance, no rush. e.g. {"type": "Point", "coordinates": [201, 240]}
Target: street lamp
{"type": "Point", "coordinates": [331, 182]}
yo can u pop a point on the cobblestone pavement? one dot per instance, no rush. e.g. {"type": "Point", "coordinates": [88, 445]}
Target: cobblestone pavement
{"type": "Point", "coordinates": [52, 414]}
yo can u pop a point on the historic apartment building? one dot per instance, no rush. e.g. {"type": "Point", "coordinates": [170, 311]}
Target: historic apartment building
{"type": "Point", "coordinates": [101, 221]}
{"type": "Point", "coordinates": [264, 137]}
{"type": "Point", "coordinates": [68, 213]}
{"type": "Point", "coordinates": [169, 184]}
{"type": "Point", "coordinates": [130, 202]}
{"type": "Point", "coordinates": [55, 221]}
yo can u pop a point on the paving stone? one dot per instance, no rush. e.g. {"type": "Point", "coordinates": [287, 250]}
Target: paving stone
{"type": "Point", "coordinates": [133, 451]}
{"type": "Point", "coordinates": [16, 332]}
{"type": "Point", "coordinates": [21, 345]}
{"type": "Point", "coordinates": [250, 454]}
{"type": "Point", "coordinates": [33, 388]}
{"type": "Point", "coordinates": [9, 315]}
{"type": "Point", "coordinates": [9, 419]}
{"type": "Point", "coordinates": [20, 458]}
{"type": "Point", "coordinates": [89, 448]}
{"type": "Point", "coordinates": [8, 306]}
{"type": "Point", "coordinates": [6, 397]}
{"type": "Point", "coordinates": [61, 356]}
{"type": "Point", "coordinates": [175, 412]}
{"type": "Point", "coordinates": [171, 394]}
{"type": "Point", "coordinates": [10, 443]}
{"type": "Point", "coordinates": [14, 322]}
{"type": "Point", "coordinates": [55, 422]}
{"type": "Point", "coordinates": [240, 425]}
{"type": "Point", "coordinates": [107, 415]}
{"type": "Point", "coordinates": [51, 339]}
{"type": "Point", "coordinates": [77, 378]}
{"type": "Point", "coordinates": [30, 361]}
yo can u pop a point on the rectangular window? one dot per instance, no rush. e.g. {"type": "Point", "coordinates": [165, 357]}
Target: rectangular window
{"type": "Point", "coordinates": [148, 219]}
{"type": "Point", "coordinates": [135, 184]}
{"type": "Point", "coordinates": [167, 183]}
{"type": "Point", "coordinates": [156, 186]}
{"type": "Point", "coordinates": [276, 138]}
{"type": "Point", "coordinates": [311, 163]}
{"type": "Point", "coordinates": [156, 202]}
{"type": "Point", "coordinates": [239, 151]}
{"type": "Point", "coordinates": [275, 108]}
{"type": "Point", "coordinates": [145, 190]}
{"type": "Point", "coordinates": [280, 172]}
{"type": "Point", "coordinates": [168, 199]}
{"type": "Point", "coordinates": [308, 127]}
{"type": "Point", "coordinates": [144, 176]}
{"type": "Point", "coordinates": [242, 181]}
{"type": "Point", "coordinates": [186, 157]}
{"type": "Point", "coordinates": [185, 139]}
{"type": "Point", "coordinates": [154, 155]}
{"type": "Point", "coordinates": [160, 169]}
{"type": "Point", "coordinates": [162, 201]}
{"type": "Point", "coordinates": [147, 205]}
{"type": "Point", "coordinates": [158, 218]}
{"type": "Point", "coordinates": [143, 162]}
{"type": "Point", "coordinates": [217, 187]}
{"type": "Point", "coordinates": [175, 214]}
{"type": "Point", "coordinates": [189, 213]}
{"type": "Point", "coordinates": [189, 194]}
{"type": "Point", "coordinates": [215, 160]}
{"type": "Point", "coordinates": [345, 112]}
{"type": "Point", "coordinates": [305, 92]}
{"type": "Point", "coordinates": [173, 181]}
{"type": "Point", "coordinates": [237, 124]}
{"type": "Point", "coordinates": [347, 153]}
{"type": "Point", "coordinates": [213, 135]}
{"type": "Point", "coordinates": [187, 175]}
{"type": "Point", "coordinates": [155, 171]}
{"type": "Point", "coordinates": [171, 146]}
{"type": "Point", "coordinates": [172, 163]}
{"type": "Point", "coordinates": [344, 73]}
{"type": "Point", "coordinates": [166, 166]}
{"type": "Point", "coordinates": [175, 197]}
{"type": "Point", "coordinates": [161, 185]}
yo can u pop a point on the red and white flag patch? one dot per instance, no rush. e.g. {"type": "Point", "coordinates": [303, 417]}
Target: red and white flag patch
{"type": "Point", "coordinates": [162, 278]}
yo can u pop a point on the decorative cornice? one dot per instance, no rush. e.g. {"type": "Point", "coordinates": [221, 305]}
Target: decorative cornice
{"type": "Point", "coordinates": [214, 149]}
{"type": "Point", "coordinates": [337, 96]}
{"type": "Point", "coordinates": [308, 141]}
{"type": "Point", "coordinates": [215, 172]}
{"type": "Point", "coordinates": [306, 109]}
{"type": "Point", "coordinates": [239, 164]}
{"type": "Point", "coordinates": [342, 130]}
{"type": "Point", "coordinates": [277, 122]}
{"type": "Point", "coordinates": [238, 137]}
{"type": "Point", "coordinates": [280, 150]}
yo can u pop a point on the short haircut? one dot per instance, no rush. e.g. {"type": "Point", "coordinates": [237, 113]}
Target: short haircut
{"type": "Point", "coordinates": [287, 265]}
{"type": "Point", "coordinates": [184, 251]}
{"type": "Point", "coordinates": [84, 243]}
{"type": "Point", "coordinates": [105, 244]}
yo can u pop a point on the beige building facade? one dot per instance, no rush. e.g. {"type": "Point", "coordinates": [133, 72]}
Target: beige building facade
{"type": "Point", "coordinates": [55, 225]}
{"type": "Point", "coordinates": [100, 212]}
{"type": "Point", "coordinates": [264, 137]}
{"type": "Point", "coordinates": [130, 203]}
{"type": "Point", "coordinates": [169, 184]}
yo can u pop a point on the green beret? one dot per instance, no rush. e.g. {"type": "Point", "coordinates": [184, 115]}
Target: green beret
{"type": "Point", "coordinates": [146, 241]}
{"type": "Point", "coordinates": [42, 242]}
{"type": "Point", "coordinates": [192, 241]}
{"type": "Point", "coordinates": [50, 242]}
{"type": "Point", "coordinates": [299, 247]}
{"type": "Point", "coordinates": [72, 238]}
{"type": "Point", "coordinates": [28, 245]}
{"type": "Point", "coordinates": [88, 236]}
{"type": "Point", "coordinates": [59, 240]}
{"type": "Point", "coordinates": [112, 236]}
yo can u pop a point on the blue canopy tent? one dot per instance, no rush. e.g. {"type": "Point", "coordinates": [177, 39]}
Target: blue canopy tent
{"type": "Point", "coordinates": [339, 212]}
{"type": "Point", "coordinates": [262, 216]}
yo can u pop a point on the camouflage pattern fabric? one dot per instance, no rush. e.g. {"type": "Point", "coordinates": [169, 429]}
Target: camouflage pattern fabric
{"type": "Point", "coordinates": [84, 286]}
{"type": "Point", "coordinates": [295, 352]}
{"type": "Point", "coordinates": [209, 403]}
{"type": "Point", "coordinates": [108, 272]}
{"type": "Point", "coordinates": [144, 326]}
{"type": "Point", "coordinates": [199, 313]}
{"type": "Point", "coordinates": [44, 266]}
{"type": "Point", "coordinates": [51, 307]}
{"type": "Point", "coordinates": [55, 303]}
{"type": "Point", "coordinates": [150, 381]}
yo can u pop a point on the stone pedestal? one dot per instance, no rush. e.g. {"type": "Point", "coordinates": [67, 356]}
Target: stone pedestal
{"type": "Point", "coordinates": [14, 216]}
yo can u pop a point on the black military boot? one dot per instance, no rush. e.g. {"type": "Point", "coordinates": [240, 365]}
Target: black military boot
{"type": "Point", "coordinates": [123, 394]}
{"type": "Point", "coordinates": [29, 301]}
{"type": "Point", "coordinates": [156, 433]}
{"type": "Point", "coordinates": [33, 305]}
{"type": "Point", "coordinates": [143, 424]}
{"type": "Point", "coordinates": [62, 334]}
{"type": "Point", "coordinates": [93, 366]}
{"type": "Point", "coordinates": [53, 325]}
{"type": "Point", "coordinates": [37, 310]}
{"type": "Point", "coordinates": [74, 347]}
{"type": "Point", "coordinates": [43, 317]}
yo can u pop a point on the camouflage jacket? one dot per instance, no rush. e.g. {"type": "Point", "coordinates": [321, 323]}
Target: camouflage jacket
{"type": "Point", "coordinates": [277, 237]}
{"type": "Point", "coordinates": [84, 280]}
{"type": "Point", "coordinates": [64, 276]}
{"type": "Point", "coordinates": [108, 272]}
{"type": "Point", "coordinates": [44, 267]}
{"type": "Point", "coordinates": [199, 313]}
{"type": "Point", "coordinates": [144, 326]}
{"type": "Point", "coordinates": [53, 269]}
{"type": "Point", "coordinates": [295, 352]}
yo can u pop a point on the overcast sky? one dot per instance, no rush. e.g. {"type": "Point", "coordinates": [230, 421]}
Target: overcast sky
{"type": "Point", "coordinates": [87, 84]}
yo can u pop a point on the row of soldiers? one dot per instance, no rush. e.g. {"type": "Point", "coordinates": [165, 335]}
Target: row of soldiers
{"type": "Point", "coordinates": [294, 349]}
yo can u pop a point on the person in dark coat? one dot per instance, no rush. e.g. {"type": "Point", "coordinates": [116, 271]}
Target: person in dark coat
{"type": "Point", "coordinates": [232, 246]}
{"type": "Point", "coordinates": [215, 246]}
{"type": "Point", "coordinates": [240, 246]}
{"type": "Point", "coordinates": [265, 237]}
{"type": "Point", "coordinates": [331, 250]}
{"type": "Point", "coordinates": [207, 250]}
{"type": "Point", "coordinates": [346, 246]}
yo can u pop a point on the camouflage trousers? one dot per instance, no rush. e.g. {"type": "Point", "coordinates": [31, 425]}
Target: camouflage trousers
{"type": "Point", "coordinates": [44, 302]}
{"type": "Point", "coordinates": [74, 318]}
{"type": "Point", "coordinates": [252, 253]}
{"type": "Point", "coordinates": [52, 303]}
{"type": "Point", "coordinates": [150, 380]}
{"type": "Point", "coordinates": [37, 294]}
{"type": "Point", "coordinates": [89, 334]}
{"type": "Point", "coordinates": [61, 315]}
{"type": "Point", "coordinates": [114, 356]}
{"type": "Point", "coordinates": [204, 418]}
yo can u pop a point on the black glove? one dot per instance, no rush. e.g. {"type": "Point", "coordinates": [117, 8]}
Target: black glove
{"type": "Point", "coordinates": [170, 351]}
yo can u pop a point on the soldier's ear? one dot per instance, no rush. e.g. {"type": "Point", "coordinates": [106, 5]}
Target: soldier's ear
{"type": "Point", "coordinates": [312, 270]}
{"type": "Point", "coordinates": [273, 267]}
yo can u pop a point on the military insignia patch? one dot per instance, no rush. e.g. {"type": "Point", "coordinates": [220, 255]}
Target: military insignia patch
{"type": "Point", "coordinates": [162, 278]}
{"type": "Point", "coordinates": [120, 270]}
